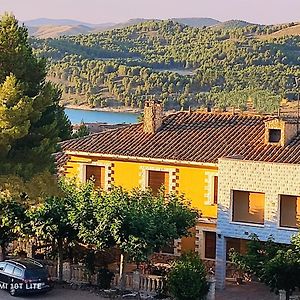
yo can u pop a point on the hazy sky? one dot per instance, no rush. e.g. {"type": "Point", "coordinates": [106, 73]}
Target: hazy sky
{"type": "Point", "coordinates": [99, 11]}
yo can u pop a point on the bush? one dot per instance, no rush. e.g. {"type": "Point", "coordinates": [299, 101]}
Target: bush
{"type": "Point", "coordinates": [104, 278]}
{"type": "Point", "coordinates": [187, 278]}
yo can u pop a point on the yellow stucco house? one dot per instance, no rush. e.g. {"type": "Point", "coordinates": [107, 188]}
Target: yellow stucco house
{"type": "Point", "coordinates": [179, 151]}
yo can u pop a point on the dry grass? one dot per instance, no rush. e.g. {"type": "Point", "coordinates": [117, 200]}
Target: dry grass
{"type": "Point", "coordinates": [50, 31]}
{"type": "Point", "coordinates": [290, 31]}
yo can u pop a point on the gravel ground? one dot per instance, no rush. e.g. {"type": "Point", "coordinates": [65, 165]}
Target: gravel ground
{"type": "Point", "coordinates": [55, 294]}
{"type": "Point", "coordinates": [247, 291]}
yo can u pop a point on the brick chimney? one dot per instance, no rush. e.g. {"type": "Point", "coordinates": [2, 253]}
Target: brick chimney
{"type": "Point", "coordinates": [153, 115]}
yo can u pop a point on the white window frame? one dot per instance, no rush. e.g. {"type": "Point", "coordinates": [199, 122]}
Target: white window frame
{"type": "Point", "coordinates": [210, 188]}
{"type": "Point", "coordinates": [202, 239]}
{"type": "Point", "coordinates": [145, 176]}
{"type": "Point", "coordinates": [279, 214]}
{"type": "Point", "coordinates": [83, 178]}
{"type": "Point", "coordinates": [231, 221]}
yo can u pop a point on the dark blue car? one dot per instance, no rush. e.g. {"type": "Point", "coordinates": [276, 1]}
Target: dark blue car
{"type": "Point", "coordinates": [24, 276]}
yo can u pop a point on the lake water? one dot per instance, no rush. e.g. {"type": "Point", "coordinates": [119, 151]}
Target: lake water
{"type": "Point", "coordinates": [77, 116]}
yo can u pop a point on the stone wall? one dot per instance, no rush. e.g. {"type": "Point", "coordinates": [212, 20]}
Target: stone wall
{"type": "Point", "coordinates": [273, 179]}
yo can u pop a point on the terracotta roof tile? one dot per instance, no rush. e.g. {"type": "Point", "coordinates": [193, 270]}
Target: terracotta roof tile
{"type": "Point", "coordinates": [195, 137]}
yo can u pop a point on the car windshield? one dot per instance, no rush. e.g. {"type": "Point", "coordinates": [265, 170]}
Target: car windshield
{"type": "Point", "coordinates": [37, 273]}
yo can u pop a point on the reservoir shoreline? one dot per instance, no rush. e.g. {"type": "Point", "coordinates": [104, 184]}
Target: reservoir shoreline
{"type": "Point", "coordinates": [120, 109]}
{"type": "Point", "coordinates": [80, 115]}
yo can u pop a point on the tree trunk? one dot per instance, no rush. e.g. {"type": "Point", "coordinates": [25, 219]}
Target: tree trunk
{"type": "Point", "coordinates": [60, 259]}
{"type": "Point", "coordinates": [123, 262]}
{"type": "Point", "coordinates": [2, 252]}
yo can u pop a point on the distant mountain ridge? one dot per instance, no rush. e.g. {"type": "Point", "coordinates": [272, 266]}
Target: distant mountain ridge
{"type": "Point", "coordinates": [52, 28]}
{"type": "Point", "coordinates": [61, 22]}
{"type": "Point", "coordinates": [48, 31]}
{"type": "Point", "coordinates": [197, 22]}
{"type": "Point", "coordinates": [231, 24]}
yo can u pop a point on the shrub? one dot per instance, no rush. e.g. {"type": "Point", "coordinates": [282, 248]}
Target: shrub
{"type": "Point", "coordinates": [187, 278]}
{"type": "Point", "coordinates": [104, 278]}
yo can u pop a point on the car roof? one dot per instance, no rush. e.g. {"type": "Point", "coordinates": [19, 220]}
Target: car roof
{"type": "Point", "coordinates": [26, 263]}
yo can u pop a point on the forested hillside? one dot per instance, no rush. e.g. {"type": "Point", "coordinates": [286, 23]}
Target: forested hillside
{"type": "Point", "coordinates": [181, 65]}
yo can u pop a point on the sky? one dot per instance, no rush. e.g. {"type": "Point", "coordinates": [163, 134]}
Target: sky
{"type": "Point", "coordinates": [101, 11]}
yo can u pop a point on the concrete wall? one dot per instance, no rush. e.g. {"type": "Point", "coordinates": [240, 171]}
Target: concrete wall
{"type": "Point", "coordinates": [268, 178]}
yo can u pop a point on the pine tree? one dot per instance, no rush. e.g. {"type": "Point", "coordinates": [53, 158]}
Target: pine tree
{"type": "Point", "coordinates": [31, 120]}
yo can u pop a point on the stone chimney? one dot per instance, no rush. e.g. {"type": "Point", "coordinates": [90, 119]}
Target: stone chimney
{"type": "Point", "coordinates": [280, 132]}
{"type": "Point", "coordinates": [153, 115]}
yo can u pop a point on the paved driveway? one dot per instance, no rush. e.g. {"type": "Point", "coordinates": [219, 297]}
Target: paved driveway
{"type": "Point", "coordinates": [56, 294]}
{"type": "Point", "coordinates": [248, 291]}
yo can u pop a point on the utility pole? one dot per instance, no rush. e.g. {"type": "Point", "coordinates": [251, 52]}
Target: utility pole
{"type": "Point", "coordinates": [298, 104]}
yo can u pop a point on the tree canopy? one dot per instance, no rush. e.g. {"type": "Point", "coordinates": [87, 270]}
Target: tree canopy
{"type": "Point", "coordinates": [13, 221]}
{"type": "Point", "coordinates": [31, 120]}
{"type": "Point", "coordinates": [277, 265]}
{"type": "Point", "coordinates": [136, 222]}
{"type": "Point", "coordinates": [182, 65]}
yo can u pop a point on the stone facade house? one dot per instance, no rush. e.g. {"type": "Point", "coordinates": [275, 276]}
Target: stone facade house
{"type": "Point", "coordinates": [259, 196]}
{"type": "Point", "coordinates": [181, 151]}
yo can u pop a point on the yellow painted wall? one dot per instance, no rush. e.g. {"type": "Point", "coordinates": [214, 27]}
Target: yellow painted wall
{"type": "Point", "coordinates": [189, 243]}
{"type": "Point", "coordinates": [127, 174]}
{"type": "Point", "coordinates": [192, 183]}
{"type": "Point", "coordinates": [192, 180]}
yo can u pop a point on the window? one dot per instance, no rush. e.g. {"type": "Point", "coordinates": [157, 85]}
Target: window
{"type": "Point", "coordinates": [157, 179]}
{"type": "Point", "coordinates": [168, 249]}
{"type": "Point", "coordinates": [239, 245]}
{"type": "Point", "coordinates": [289, 211]}
{"type": "Point", "coordinates": [97, 174]}
{"type": "Point", "coordinates": [18, 272]}
{"type": "Point", "coordinates": [2, 265]}
{"type": "Point", "coordinates": [210, 244]}
{"type": "Point", "coordinates": [9, 269]}
{"type": "Point", "coordinates": [212, 188]}
{"type": "Point", "coordinates": [274, 135]}
{"type": "Point", "coordinates": [248, 207]}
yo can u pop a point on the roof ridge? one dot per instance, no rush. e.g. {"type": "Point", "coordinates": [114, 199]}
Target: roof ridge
{"type": "Point", "coordinates": [97, 133]}
{"type": "Point", "coordinates": [190, 136]}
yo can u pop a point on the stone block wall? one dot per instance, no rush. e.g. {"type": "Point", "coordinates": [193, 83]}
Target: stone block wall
{"type": "Point", "coordinates": [272, 179]}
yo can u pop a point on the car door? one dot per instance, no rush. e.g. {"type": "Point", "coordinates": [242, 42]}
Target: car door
{"type": "Point", "coordinates": [7, 274]}
{"type": "Point", "coordinates": [2, 275]}
{"type": "Point", "coordinates": [17, 275]}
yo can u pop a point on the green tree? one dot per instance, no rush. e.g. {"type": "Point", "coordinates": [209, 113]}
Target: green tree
{"type": "Point", "coordinates": [136, 222]}
{"type": "Point", "coordinates": [31, 120]}
{"type": "Point", "coordinates": [187, 278]}
{"type": "Point", "coordinates": [14, 113]}
{"type": "Point", "coordinates": [13, 221]}
{"type": "Point", "coordinates": [50, 222]}
{"type": "Point", "coordinates": [276, 265]}
{"type": "Point", "coordinates": [82, 131]}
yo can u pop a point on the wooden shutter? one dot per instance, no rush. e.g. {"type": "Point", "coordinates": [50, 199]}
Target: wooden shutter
{"type": "Point", "coordinates": [215, 189]}
{"type": "Point", "coordinates": [157, 179]}
{"type": "Point", "coordinates": [210, 244]}
{"type": "Point", "coordinates": [97, 174]}
{"type": "Point", "coordinates": [289, 211]}
{"type": "Point", "coordinates": [256, 207]}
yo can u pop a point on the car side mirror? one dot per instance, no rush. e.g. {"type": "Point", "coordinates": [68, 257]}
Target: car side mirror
{"type": "Point", "coordinates": [1, 268]}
